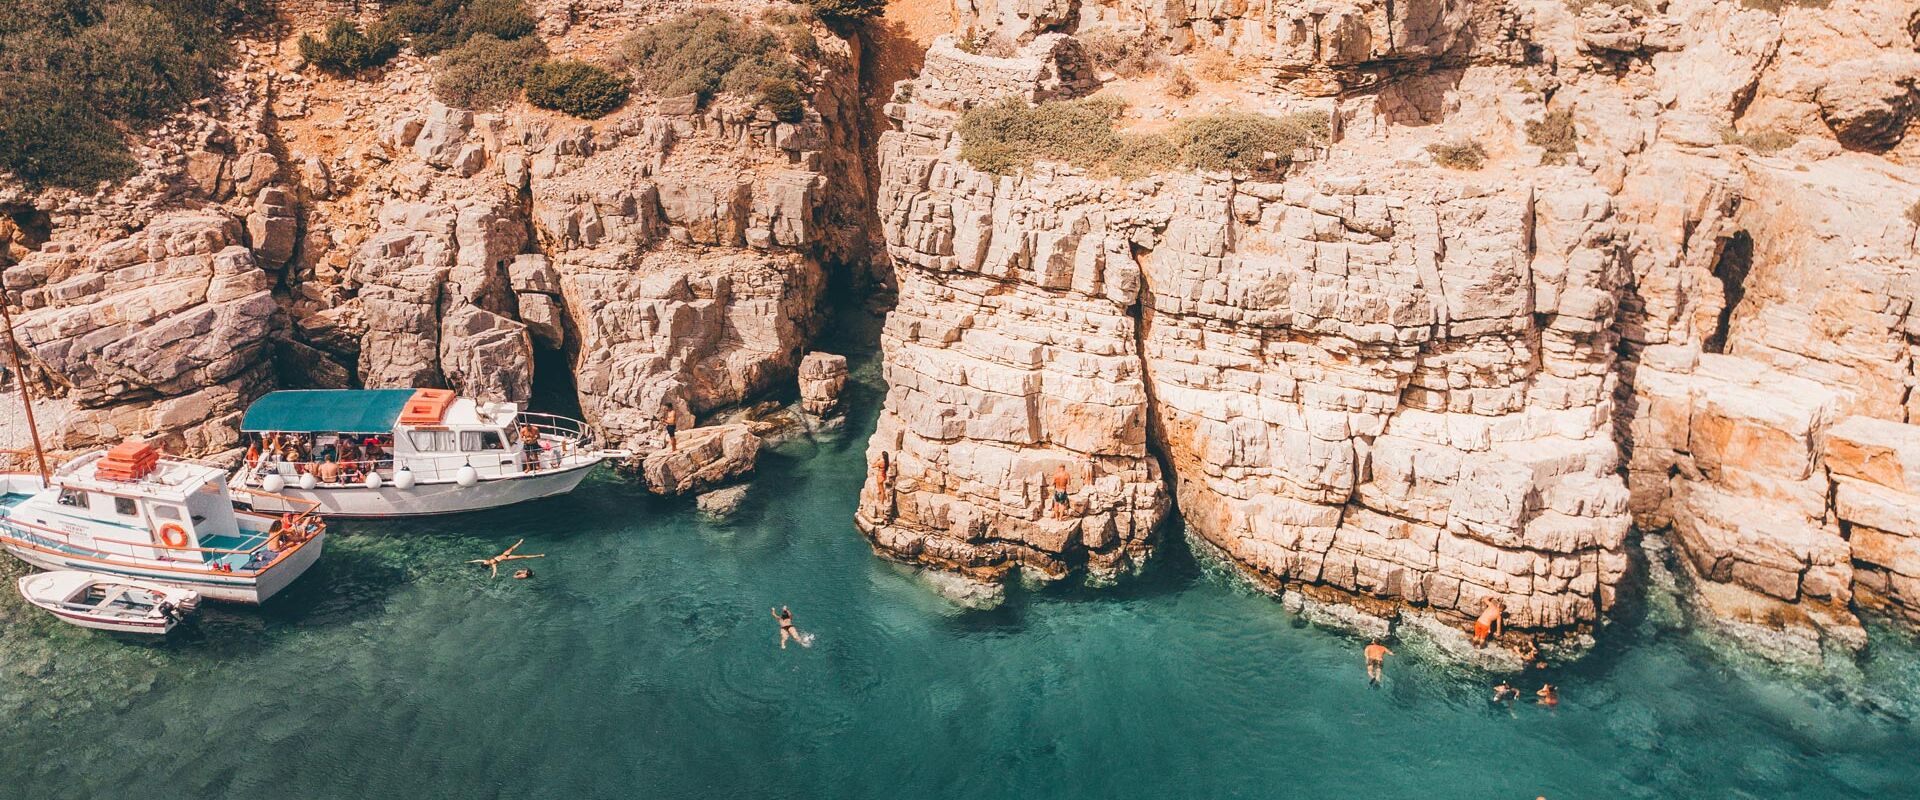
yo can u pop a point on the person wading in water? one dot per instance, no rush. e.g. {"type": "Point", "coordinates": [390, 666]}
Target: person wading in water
{"type": "Point", "coordinates": [1376, 660]}
{"type": "Point", "coordinates": [1492, 622]}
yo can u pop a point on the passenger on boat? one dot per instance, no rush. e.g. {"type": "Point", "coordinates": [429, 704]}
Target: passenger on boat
{"type": "Point", "coordinates": [269, 464]}
{"type": "Point", "coordinates": [328, 452]}
{"type": "Point", "coordinates": [253, 454]}
{"type": "Point", "coordinates": [351, 472]}
{"type": "Point", "coordinates": [530, 445]}
{"type": "Point", "coordinates": [328, 471]}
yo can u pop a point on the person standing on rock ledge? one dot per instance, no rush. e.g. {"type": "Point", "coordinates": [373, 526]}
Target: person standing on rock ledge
{"type": "Point", "coordinates": [671, 420]}
{"type": "Point", "coordinates": [1060, 497]}
{"type": "Point", "coordinates": [1492, 622]}
{"type": "Point", "coordinates": [1376, 660]}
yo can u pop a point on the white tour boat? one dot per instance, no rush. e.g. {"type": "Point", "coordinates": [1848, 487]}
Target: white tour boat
{"type": "Point", "coordinates": [408, 452]}
{"type": "Point", "coordinates": [106, 603]}
{"type": "Point", "coordinates": [132, 513]}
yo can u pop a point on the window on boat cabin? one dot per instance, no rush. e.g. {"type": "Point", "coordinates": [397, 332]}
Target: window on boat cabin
{"type": "Point", "coordinates": [431, 441]}
{"type": "Point", "coordinates": [73, 497]}
{"type": "Point", "coordinates": [126, 507]}
{"type": "Point", "coordinates": [477, 441]}
{"type": "Point", "coordinates": [167, 512]}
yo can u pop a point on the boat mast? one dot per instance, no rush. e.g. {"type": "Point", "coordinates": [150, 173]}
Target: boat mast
{"type": "Point", "coordinates": [26, 398]}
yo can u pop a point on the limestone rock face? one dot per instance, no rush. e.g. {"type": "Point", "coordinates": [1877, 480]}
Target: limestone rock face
{"type": "Point", "coordinates": [1377, 379]}
{"type": "Point", "coordinates": [705, 458]}
{"type": "Point", "coordinates": [164, 332]}
{"type": "Point", "coordinates": [822, 376]}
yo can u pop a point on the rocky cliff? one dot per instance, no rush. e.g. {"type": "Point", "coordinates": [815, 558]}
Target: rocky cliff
{"type": "Point", "coordinates": [1673, 294]}
{"type": "Point", "coordinates": [309, 230]}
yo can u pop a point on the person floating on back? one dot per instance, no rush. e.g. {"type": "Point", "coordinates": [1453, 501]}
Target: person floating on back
{"type": "Point", "coordinates": [1376, 660]}
{"type": "Point", "coordinates": [1060, 480]}
{"type": "Point", "coordinates": [1491, 622]}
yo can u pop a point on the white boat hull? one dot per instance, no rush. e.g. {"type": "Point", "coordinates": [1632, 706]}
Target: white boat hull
{"type": "Point", "coordinates": [47, 589]}
{"type": "Point", "coordinates": [234, 587]}
{"type": "Point", "coordinates": [444, 497]}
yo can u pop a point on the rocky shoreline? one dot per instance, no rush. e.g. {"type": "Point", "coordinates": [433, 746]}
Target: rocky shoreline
{"type": "Point", "coordinates": [1672, 293]}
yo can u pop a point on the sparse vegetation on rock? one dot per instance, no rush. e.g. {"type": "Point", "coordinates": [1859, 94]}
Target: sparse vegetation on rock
{"type": "Point", "coordinates": [1124, 52]}
{"type": "Point", "coordinates": [1555, 133]}
{"type": "Point", "coordinates": [1463, 155]}
{"type": "Point", "coordinates": [486, 72]}
{"type": "Point", "coordinates": [1179, 84]}
{"type": "Point", "coordinates": [845, 12]}
{"type": "Point", "coordinates": [433, 26]}
{"type": "Point", "coordinates": [707, 52]}
{"type": "Point", "coordinates": [344, 50]}
{"type": "Point", "coordinates": [75, 75]}
{"type": "Point", "coordinates": [1008, 136]}
{"type": "Point", "coordinates": [1765, 141]}
{"type": "Point", "coordinates": [1913, 212]}
{"type": "Point", "coordinates": [1776, 6]}
{"type": "Point", "coordinates": [575, 87]}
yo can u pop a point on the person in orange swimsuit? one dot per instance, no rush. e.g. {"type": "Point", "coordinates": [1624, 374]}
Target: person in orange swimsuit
{"type": "Point", "coordinates": [1492, 622]}
{"type": "Point", "coordinates": [1376, 660]}
{"type": "Point", "coordinates": [1061, 500]}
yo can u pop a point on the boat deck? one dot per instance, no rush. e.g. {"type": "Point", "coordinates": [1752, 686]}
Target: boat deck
{"type": "Point", "coordinates": [246, 542]}
{"type": "Point", "coordinates": [11, 499]}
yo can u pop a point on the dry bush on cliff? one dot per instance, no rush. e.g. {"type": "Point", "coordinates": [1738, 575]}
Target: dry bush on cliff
{"type": "Point", "coordinates": [75, 73]}
{"type": "Point", "coordinates": [1179, 84]}
{"type": "Point", "coordinates": [1555, 133]}
{"type": "Point", "coordinates": [1468, 155]}
{"type": "Point", "coordinates": [1005, 137]}
{"type": "Point", "coordinates": [1765, 141]}
{"type": "Point", "coordinates": [1124, 52]}
{"type": "Point", "coordinates": [575, 87]}
{"type": "Point", "coordinates": [706, 52]}
{"type": "Point", "coordinates": [1776, 6]}
{"type": "Point", "coordinates": [485, 72]}
{"type": "Point", "coordinates": [433, 26]}
{"type": "Point", "coordinates": [1219, 65]}
{"type": "Point", "coordinates": [1913, 212]}
{"type": "Point", "coordinates": [345, 50]}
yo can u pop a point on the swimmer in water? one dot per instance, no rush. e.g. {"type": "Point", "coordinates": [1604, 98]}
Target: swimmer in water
{"type": "Point", "coordinates": [522, 574]}
{"type": "Point", "coordinates": [1376, 660]}
{"type": "Point", "coordinates": [1549, 695]}
{"type": "Point", "coordinates": [1505, 693]}
{"type": "Point", "coordinates": [787, 631]}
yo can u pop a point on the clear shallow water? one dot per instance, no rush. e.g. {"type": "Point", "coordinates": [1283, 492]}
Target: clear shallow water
{"type": "Point", "coordinates": [641, 662]}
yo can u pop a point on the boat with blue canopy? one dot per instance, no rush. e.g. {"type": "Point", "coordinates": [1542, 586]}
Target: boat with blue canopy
{"type": "Point", "coordinates": [408, 452]}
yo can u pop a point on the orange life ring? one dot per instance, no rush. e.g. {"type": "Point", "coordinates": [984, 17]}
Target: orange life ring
{"type": "Point", "coordinates": [172, 535]}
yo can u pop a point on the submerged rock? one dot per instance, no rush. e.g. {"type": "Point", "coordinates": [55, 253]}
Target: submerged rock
{"type": "Point", "coordinates": [720, 504]}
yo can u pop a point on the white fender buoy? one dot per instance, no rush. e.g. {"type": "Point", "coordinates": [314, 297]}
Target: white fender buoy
{"type": "Point", "coordinates": [373, 480]}
{"type": "Point", "coordinates": [273, 483]}
{"type": "Point", "coordinates": [307, 481]}
{"type": "Point", "coordinates": [467, 477]}
{"type": "Point", "coordinates": [403, 478]}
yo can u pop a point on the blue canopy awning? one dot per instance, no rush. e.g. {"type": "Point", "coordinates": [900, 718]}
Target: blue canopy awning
{"type": "Point", "coordinates": [326, 411]}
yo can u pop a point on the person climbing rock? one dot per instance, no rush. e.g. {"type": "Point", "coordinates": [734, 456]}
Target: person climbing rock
{"type": "Point", "coordinates": [1060, 497]}
{"type": "Point", "coordinates": [1376, 660]}
{"type": "Point", "coordinates": [883, 485]}
{"type": "Point", "coordinates": [1490, 623]}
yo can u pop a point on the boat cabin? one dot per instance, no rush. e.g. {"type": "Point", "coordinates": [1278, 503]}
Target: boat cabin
{"type": "Point", "coordinates": [129, 501]}
{"type": "Point", "coordinates": [343, 435]}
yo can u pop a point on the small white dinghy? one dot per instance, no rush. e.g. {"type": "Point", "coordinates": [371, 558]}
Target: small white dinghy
{"type": "Point", "coordinates": [107, 603]}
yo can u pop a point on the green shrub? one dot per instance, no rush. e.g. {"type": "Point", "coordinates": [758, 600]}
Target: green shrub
{"type": "Point", "coordinates": [845, 12]}
{"type": "Point", "coordinates": [1241, 141]}
{"type": "Point", "coordinates": [435, 26]}
{"type": "Point", "coordinates": [1468, 155]}
{"type": "Point", "coordinates": [782, 97]}
{"type": "Point", "coordinates": [706, 52]}
{"type": "Point", "coordinates": [576, 88]}
{"type": "Point", "coordinates": [1765, 141]}
{"type": "Point", "coordinates": [1554, 132]}
{"type": "Point", "coordinates": [485, 72]}
{"type": "Point", "coordinates": [76, 74]}
{"type": "Point", "coordinates": [1010, 135]}
{"type": "Point", "coordinates": [345, 50]}
{"type": "Point", "coordinates": [50, 135]}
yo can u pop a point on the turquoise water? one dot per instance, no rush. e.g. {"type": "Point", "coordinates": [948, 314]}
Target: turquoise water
{"type": "Point", "coordinates": [641, 662]}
